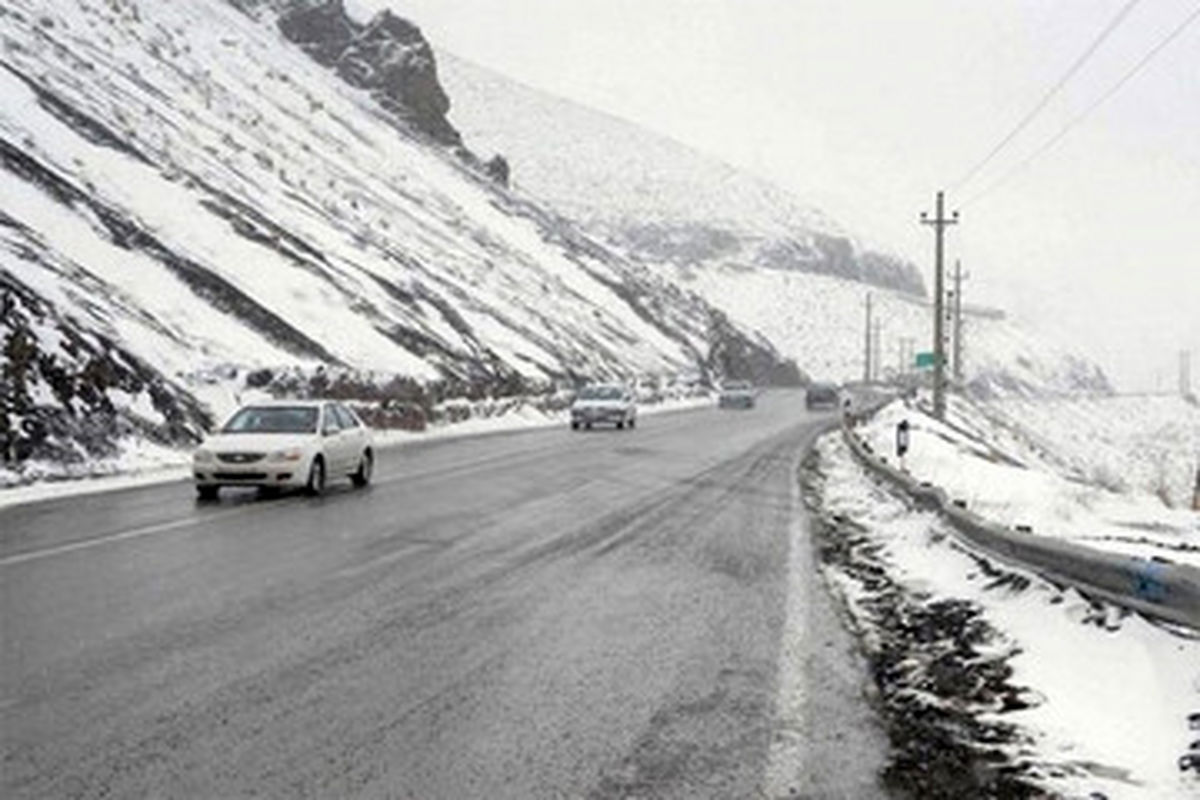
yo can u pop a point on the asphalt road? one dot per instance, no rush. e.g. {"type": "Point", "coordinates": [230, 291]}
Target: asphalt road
{"type": "Point", "coordinates": [541, 614]}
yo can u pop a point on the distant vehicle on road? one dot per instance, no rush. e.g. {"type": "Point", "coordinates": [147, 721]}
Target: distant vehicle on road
{"type": "Point", "coordinates": [285, 444]}
{"type": "Point", "coordinates": [607, 403]}
{"type": "Point", "coordinates": [821, 395]}
{"type": "Point", "coordinates": [737, 394]}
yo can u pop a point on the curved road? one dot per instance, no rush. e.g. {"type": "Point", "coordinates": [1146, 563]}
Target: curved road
{"type": "Point", "coordinates": [539, 614]}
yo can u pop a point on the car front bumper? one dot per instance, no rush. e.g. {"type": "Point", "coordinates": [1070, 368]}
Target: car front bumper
{"type": "Point", "coordinates": [284, 474]}
{"type": "Point", "coordinates": [601, 415]}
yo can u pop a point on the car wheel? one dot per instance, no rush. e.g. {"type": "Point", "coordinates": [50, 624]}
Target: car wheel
{"type": "Point", "coordinates": [620, 424]}
{"type": "Point", "coordinates": [633, 422]}
{"type": "Point", "coordinates": [207, 492]}
{"type": "Point", "coordinates": [574, 425]}
{"type": "Point", "coordinates": [316, 478]}
{"type": "Point", "coordinates": [365, 467]}
{"type": "Point", "coordinates": [588, 426]}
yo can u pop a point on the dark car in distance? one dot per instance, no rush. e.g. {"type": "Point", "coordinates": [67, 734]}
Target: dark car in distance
{"type": "Point", "coordinates": [821, 395]}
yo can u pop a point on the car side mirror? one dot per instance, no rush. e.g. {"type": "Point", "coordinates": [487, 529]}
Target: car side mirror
{"type": "Point", "coordinates": [329, 432]}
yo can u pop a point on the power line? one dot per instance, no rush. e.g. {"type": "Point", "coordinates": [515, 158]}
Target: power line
{"type": "Point", "coordinates": [1116, 87]}
{"type": "Point", "coordinates": [1054, 90]}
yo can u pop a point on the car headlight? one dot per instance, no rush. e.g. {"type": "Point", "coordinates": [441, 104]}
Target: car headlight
{"type": "Point", "coordinates": [290, 454]}
{"type": "Point", "coordinates": [202, 455]}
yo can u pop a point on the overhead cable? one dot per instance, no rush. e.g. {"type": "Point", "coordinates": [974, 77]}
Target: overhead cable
{"type": "Point", "coordinates": [1112, 25]}
{"type": "Point", "coordinates": [1112, 90]}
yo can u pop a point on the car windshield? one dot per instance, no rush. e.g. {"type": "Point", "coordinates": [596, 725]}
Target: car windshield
{"type": "Point", "coordinates": [821, 390]}
{"type": "Point", "coordinates": [600, 393]}
{"type": "Point", "coordinates": [273, 419]}
{"type": "Point", "coordinates": [737, 386]}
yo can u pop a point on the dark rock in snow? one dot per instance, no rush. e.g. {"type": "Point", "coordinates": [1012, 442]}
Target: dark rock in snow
{"type": "Point", "coordinates": [57, 385]}
{"type": "Point", "coordinates": [497, 169]}
{"type": "Point", "coordinates": [388, 56]}
{"type": "Point", "coordinates": [323, 30]}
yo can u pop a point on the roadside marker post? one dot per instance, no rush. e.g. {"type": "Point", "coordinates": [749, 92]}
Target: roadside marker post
{"type": "Point", "coordinates": [902, 442]}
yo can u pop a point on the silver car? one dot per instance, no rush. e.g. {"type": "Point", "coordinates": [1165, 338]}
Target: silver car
{"type": "Point", "coordinates": [605, 403]}
{"type": "Point", "coordinates": [737, 394]}
{"type": "Point", "coordinates": [299, 444]}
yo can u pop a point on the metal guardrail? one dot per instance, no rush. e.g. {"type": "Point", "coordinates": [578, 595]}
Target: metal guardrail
{"type": "Point", "coordinates": [1159, 589]}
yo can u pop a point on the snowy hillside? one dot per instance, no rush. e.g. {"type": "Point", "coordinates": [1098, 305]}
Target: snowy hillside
{"type": "Point", "coordinates": [1143, 445]}
{"type": "Point", "coordinates": [189, 196]}
{"type": "Point", "coordinates": [820, 322]}
{"type": "Point", "coordinates": [650, 195]}
{"type": "Point", "coordinates": [748, 247]}
{"type": "Point", "coordinates": [1127, 491]}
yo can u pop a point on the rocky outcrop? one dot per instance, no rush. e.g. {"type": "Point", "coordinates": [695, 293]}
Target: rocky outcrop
{"type": "Point", "coordinates": [497, 169]}
{"type": "Point", "coordinates": [693, 243]}
{"type": "Point", "coordinates": [68, 395]}
{"type": "Point", "coordinates": [735, 355]}
{"type": "Point", "coordinates": [388, 57]}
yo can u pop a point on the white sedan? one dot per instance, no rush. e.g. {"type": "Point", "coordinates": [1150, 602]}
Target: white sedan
{"type": "Point", "coordinates": [285, 444]}
{"type": "Point", "coordinates": [607, 403]}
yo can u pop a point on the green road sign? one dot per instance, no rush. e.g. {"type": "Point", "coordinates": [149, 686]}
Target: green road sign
{"type": "Point", "coordinates": [925, 359]}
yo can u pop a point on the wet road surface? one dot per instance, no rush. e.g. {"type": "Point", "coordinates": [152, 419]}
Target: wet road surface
{"type": "Point", "coordinates": [527, 615]}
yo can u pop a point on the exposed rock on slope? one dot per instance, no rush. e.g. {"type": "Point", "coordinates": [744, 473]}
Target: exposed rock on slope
{"type": "Point", "coordinates": [70, 395]}
{"type": "Point", "coordinates": [387, 56]}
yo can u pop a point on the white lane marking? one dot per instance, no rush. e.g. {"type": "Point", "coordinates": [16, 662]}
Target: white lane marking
{"type": "Point", "coordinates": [133, 533]}
{"type": "Point", "coordinates": [163, 527]}
{"type": "Point", "coordinates": [787, 750]}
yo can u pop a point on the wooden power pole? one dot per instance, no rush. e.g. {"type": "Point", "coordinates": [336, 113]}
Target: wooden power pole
{"type": "Point", "coordinates": [940, 222]}
{"type": "Point", "coordinates": [876, 352]}
{"type": "Point", "coordinates": [867, 347]}
{"type": "Point", "coordinates": [958, 322]}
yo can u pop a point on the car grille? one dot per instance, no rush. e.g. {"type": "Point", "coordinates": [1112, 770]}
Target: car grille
{"type": "Point", "coordinates": [600, 413]}
{"type": "Point", "coordinates": [240, 476]}
{"type": "Point", "coordinates": [240, 458]}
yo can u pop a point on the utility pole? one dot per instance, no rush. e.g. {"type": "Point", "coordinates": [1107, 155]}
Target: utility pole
{"type": "Point", "coordinates": [867, 346]}
{"type": "Point", "coordinates": [958, 279]}
{"type": "Point", "coordinates": [876, 352]}
{"type": "Point", "coordinates": [939, 223]}
{"type": "Point", "coordinates": [1196, 492]}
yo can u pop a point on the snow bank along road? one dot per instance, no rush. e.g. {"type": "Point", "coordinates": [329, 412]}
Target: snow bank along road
{"type": "Point", "coordinates": [537, 614]}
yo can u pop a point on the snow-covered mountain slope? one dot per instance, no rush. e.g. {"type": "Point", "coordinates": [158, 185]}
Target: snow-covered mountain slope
{"type": "Point", "coordinates": [1130, 444]}
{"type": "Point", "coordinates": [185, 192]}
{"type": "Point", "coordinates": [650, 195]}
{"type": "Point", "coordinates": [819, 321]}
{"type": "Point", "coordinates": [750, 248]}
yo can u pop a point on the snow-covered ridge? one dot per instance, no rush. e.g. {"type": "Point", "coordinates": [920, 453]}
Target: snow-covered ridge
{"type": "Point", "coordinates": [649, 195]}
{"type": "Point", "coordinates": [761, 255]}
{"type": "Point", "coordinates": [182, 184]}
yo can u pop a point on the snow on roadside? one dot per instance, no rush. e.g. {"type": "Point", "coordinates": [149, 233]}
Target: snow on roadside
{"type": "Point", "coordinates": [1002, 477]}
{"type": "Point", "coordinates": [1083, 701]}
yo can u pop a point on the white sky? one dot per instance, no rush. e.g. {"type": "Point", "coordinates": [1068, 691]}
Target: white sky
{"type": "Point", "coordinates": [866, 108]}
